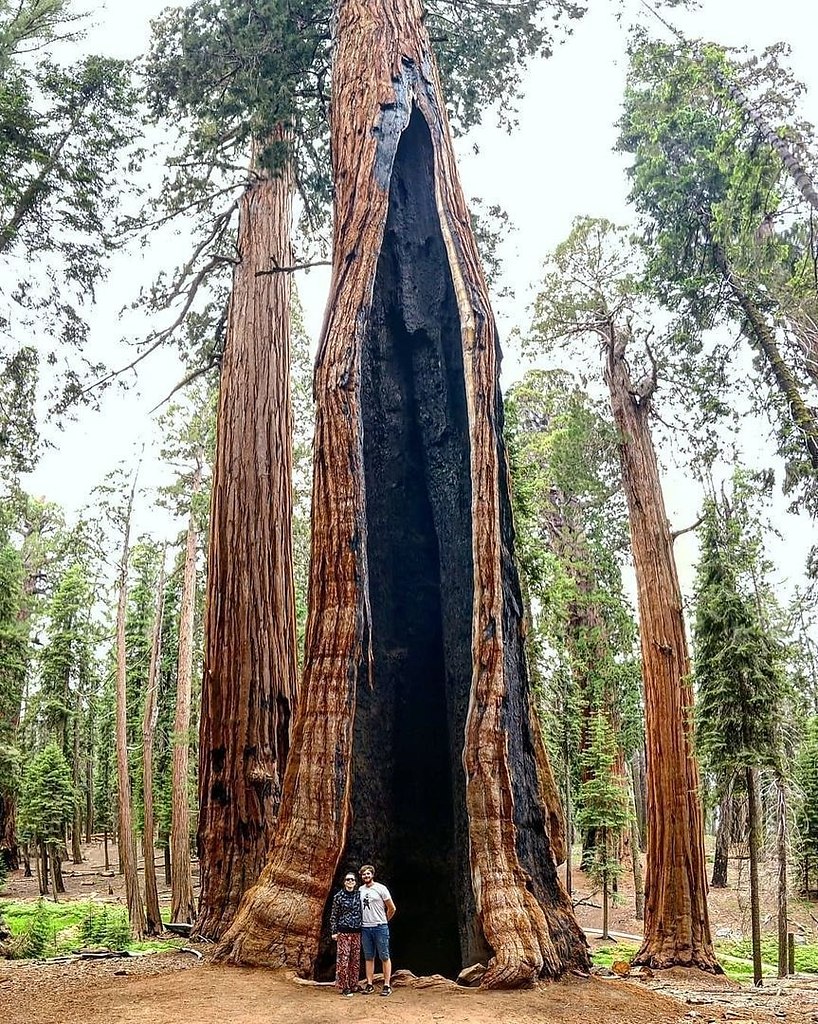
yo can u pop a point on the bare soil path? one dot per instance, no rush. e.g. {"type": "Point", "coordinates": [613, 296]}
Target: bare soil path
{"type": "Point", "coordinates": [175, 989]}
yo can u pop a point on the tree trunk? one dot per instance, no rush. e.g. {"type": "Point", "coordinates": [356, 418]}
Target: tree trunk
{"type": "Point", "coordinates": [126, 843]}
{"type": "Point", "coordinates": [636, 856]}
{"type": "Point", "coordinates": [182, 908]}
{"type": "Point", "coordinates": [76, 827]}
{"type": "Point", "coordinates": [41, 862]}
{"type": "Point", "coordinates": [57, 880]}
{"type": "Point", "coordinates": [8, 831]}
{"type": "Point", "coordinates": [250, 672]}
{"type": "Point", "coordinates": [754, 845]}
{"type": "Point", "coordinates": [26, 855]}
{"type": "Point", "coordinates": [56, 874]}
{"type": "Point", "coordinates": [721, 856]}
{"type": "Point", "coordinates": [153, 914]}
{"type": "Point", "coordinates": [166, 859]}
{"type": "Point", "coordinates": [782, 851]}
{"type": "Point", "coordinates": [762, 338]}
{"type": "Point", "coordinates": [640, 793]}
{"type": "Point", "coordinates": [677, 926]}
{"type": "Point", "coordinates": [105, 848]}
{"type": "Point", "coordinates": [89, 794]}
{"type": "Point", "coordinates": [415, 612]}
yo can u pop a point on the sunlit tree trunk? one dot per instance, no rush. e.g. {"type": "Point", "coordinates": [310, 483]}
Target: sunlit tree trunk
{"type": "Point", "coordinates": [182, 908]}
{"type": "Point", "coordinates": [250, 672]}
{"type": "Point", "coordinates": [126, 843]}
{"type": "Point", "coordinates": [415, 611]}
{"type": "Point", "coordinates": [152, 911]}
{"type": "Point", "coordinates": [677, 925]}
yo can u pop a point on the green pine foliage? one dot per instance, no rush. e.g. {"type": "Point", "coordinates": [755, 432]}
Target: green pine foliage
{"type": "Point", "coordinates": [806, 825]}
{"type": "Point", "coordinates": [66, 658]}
{"type": "Point", "coordinates": [741, 687]}
{"type": "Point", "coordinates": [46, 797]}
{"type": "Point", "coordinates": [719, 212]}
{"type": "Point", "coordinates": [571, 535]}
{"type": "Point", "coordinates": [603, 802]}
{"type": "Point", "coordinates": [68, 131]}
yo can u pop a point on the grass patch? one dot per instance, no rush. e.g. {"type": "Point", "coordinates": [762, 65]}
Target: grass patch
{"type": "Point", "coordinates": [41, 929]}
{"type": "Point", "coordinates": [736, 958]}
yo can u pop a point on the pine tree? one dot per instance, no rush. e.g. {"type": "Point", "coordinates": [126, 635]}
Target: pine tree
{"type": "Point", "coordinates": [738, 674]}
{"type": "Point", "coordinates": [47, 800]}
{"type": "Point", "coordinates": [14, 660]}
{"type": "Point", "coordinates": [603, 808]}
{"type": "Point", "coordinates": [806, 776]}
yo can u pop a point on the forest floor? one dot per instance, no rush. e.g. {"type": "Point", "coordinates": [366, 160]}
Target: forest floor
{"type": "Point", "coordinates": [175, 987]}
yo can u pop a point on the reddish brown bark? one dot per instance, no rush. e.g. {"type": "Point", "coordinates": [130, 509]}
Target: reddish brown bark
{"type": "Point", "coordinates": [250, 673]}
{"type": "Point", "coordinates": [677, 927]}
{"type": "Point", "coordinates": [125, 836]}
{"type": "Point", "coordinates": [182, 908]}
{"type": "Point", "coordinates": [410, 498]}
{"type": "Point", "coordinates": [152, 912]}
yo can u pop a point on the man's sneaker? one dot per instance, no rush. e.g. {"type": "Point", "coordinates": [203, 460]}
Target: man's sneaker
{"type": "Point", "coordinates": [367, 989]}
{"type": "Point", "coordinates": [386, 991]}
{"type": "Point", "coordinates": [348, 992]}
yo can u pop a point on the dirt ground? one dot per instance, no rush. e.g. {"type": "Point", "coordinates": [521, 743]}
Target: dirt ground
{"type": "Point", "coordinates": [169, 989]}
{"type": "Point", "coordinates": [177, 988]}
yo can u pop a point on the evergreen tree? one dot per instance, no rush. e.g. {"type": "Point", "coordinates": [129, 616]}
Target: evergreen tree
{"type": "Point", "coordinates": [711, 192]}
{"type": "Point", "coordinates": [806, 777]}
{"type": "Point", "coordinates": [14, 660]}
{"type": "Point", "coordinates": [66, 128]}
{"type": "Point", "coordinates": [738, 673]}
{"type": "Point", "coordinates": [603, 810]}
{"type": "Point", "coordinates": [47, 802]}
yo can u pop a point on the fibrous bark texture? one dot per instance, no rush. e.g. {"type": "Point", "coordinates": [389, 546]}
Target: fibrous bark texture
{"type": "Point", "coordinates": [249, 686]}
{"type": "Point", "coordinates": [126, 841]}
{"type": "Point", "coordinates": [182, 909]}
{"type": "Point", "coordinates": [677, 927]}
{"type": "Point", "coordinates": [151, 713]}
{"type": "Point", "coordinates": [415, 745]}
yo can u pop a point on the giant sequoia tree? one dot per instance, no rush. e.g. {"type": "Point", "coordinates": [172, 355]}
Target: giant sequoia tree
{"type": "Point", "coordinates": [414, 743]}
{"type": "Point", "coordinates": [233, 77]}
{"type": "Point", "coordinates": [591, 292]}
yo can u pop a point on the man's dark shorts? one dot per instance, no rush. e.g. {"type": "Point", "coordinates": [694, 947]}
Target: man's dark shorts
{"type": "Point", "coordinates": [375, 941]}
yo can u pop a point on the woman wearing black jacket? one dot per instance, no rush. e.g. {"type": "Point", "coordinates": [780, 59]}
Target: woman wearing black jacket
{"type": "Point", "coordinates": [345, 925]}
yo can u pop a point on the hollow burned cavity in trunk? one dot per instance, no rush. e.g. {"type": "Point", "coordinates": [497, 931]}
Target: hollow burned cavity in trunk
{"type": "Point", "coordinates": [408, 786]}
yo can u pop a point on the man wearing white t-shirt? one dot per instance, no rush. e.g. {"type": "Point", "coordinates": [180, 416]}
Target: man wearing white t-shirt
{"type": "Point", "coordinates": [377, 910]}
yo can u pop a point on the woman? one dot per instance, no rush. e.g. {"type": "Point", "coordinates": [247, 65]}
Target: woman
{"type": "Point", "coordinates": [345, 925]}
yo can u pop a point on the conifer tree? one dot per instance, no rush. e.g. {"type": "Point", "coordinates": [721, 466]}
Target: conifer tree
{"type": "Point", "coordinates": [47, 801]}
{"type": "Point", "coordinates": [14, 660]}
{"type": "Point", "coordinates": [738, 674]}
{"type": "Point", "coordinates": [603, 808]}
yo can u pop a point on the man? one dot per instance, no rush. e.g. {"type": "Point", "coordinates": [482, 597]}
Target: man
{"type": "Point", "coordinates": [377, 910]}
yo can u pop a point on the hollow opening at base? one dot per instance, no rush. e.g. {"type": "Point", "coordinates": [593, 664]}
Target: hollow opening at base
{"type": "Point", "coordinates": [408, 786]}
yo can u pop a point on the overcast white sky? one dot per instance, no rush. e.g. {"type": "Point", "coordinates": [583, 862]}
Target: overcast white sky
{"type": "Point", "coordinates": [558, 164]}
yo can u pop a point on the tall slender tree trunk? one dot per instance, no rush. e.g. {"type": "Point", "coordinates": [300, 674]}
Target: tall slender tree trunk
{"type": "Point", "coordinates": [721, 856]}
{"type": "Point", "coordinates": [250, 671]}
{"type": "Point", "coordinates": [152, 912]}
{"type": "Point", "coordinates": [182, 909]}
{"type": "Point", "coordinates": [636, 856]}
{"type": "Point", "coordinates": [415, 612]}
{"type": "Point", "coordinates": [57, 885]}
{"type": "Point", "coordinates": [126, 843]}
{"type": "Point", "coordinates": [41, 863]}
{"type": "Point", "coordinates": [76, 827]}
{"type": "Point", "coordinates": [781, 891]}
{"type": "Point", "coordinates": [754, 847]}
{"type": "Point", "coordinates": [677, 925]}
{"type": "Point", "coordinates": [762, 338]}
